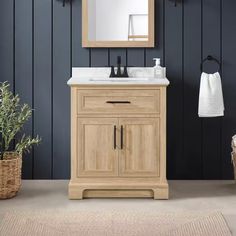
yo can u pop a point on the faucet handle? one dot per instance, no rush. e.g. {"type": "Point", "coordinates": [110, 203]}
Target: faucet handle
{"type": "Point", "coordinates": [125, 73]}
{"type": "Point", "coordinates": [112, 74]}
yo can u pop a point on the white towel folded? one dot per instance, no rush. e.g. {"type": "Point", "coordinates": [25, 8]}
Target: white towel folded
{"type": "Point", "coordinates": [211, 102]}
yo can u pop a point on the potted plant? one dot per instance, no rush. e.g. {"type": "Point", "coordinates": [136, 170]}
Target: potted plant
{"type": "Point", "coordinates": [13, 116]}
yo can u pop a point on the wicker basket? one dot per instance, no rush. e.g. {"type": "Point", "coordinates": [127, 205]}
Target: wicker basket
{"type": "Point", "coordinates": [234, 163]}
{"type": "Point", "coordinates": [10, 175]}
{"type": "Point", "coordinates": [233, 154]}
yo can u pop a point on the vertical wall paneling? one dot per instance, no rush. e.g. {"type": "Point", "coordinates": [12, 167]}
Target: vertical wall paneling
{"type": "Point", "coordinates": [136, 57]}
{"type": "Point", "coordinates": [24, 68]}
{"type": "Point", "coordinates": [211, 128]}
{"type": "Point", "coordinates": [228, 80]}
{"type": "Point", "coordinates": [191, 62]}
{"type": "Point", "coordinates": [61, 92]}
{"type": "Point", "coordinates": [7, 41]}
{"type": "Point", "coordinates": [43, 87]}
{"type": "Point", "coordinates": [99, 57]}
{"type": "Point", "coordinates": [173, 61]}
{"type": "Point", "coordinates": [80, 56]}
{"type": "Point", "coordinates": [41, 40]}
{"type": "Point", "coordinates": [158, 51]}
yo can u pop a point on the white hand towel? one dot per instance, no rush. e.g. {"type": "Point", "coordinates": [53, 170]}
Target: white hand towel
{"type": "Point", "coordinates": [211, 102]}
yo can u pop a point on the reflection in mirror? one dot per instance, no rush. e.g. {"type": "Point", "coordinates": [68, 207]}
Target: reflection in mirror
{"type": "Point", "coordinates": [138, 27]}
{"type": "Point", "coordinates": [108, 22]}
{"type": "Point", "coordinates": [112, 20]}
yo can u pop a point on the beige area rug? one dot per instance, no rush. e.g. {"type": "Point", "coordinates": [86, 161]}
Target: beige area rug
{"type": "Point", "coordinates": [107, 223]}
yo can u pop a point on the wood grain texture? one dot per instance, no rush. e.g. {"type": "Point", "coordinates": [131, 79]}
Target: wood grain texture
{"type": "Point", "coordinates": [118, 44]}
{"type": "Point", "coordinates": [138, 101]}
{"type": "Point", "coordinates": [140, 156]}
{"type": "Point", "coordinates": [95, 147]}
{"type": "Point", "coordinates": [118, 188]}
{"type": "Point", "coordinates": [118, 194]}
{"type": "Point", "coordinates": [73, 133]}
{"type": "Point", "coordinates": [163, 143]}
{"type": "Point", "coordinates": [117, 147]}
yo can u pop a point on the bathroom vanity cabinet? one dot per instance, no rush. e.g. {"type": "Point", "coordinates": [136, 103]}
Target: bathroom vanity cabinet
{"type": "Point", "coordinates": [118, 141]}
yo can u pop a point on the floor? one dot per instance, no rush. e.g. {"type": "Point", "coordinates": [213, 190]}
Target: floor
{"type": "Point", "coordinates": [184, 196]}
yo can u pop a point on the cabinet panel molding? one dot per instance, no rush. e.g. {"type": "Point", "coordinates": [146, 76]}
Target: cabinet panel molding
{"type": "Point", "coordinates": [118, 101]}
{"type": "Point", "coordinates": [97, 155]}
{"type": "Point", "coordinates": [141, 152]}
{"type": "Point", "coordinates": [118, 150]}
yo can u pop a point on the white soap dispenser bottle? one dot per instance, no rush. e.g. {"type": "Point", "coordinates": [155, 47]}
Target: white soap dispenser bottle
{"type": "Point", "coordinates": [158, 73]}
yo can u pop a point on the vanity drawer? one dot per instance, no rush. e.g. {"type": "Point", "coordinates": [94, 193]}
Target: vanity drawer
{"type": "Point", "coordinates": [118, 101]}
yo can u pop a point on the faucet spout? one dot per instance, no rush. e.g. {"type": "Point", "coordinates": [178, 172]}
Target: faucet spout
{"type": "Point", "coordinates": [119, 66]}
{"type": "Point", "coordinates": [119, 74]}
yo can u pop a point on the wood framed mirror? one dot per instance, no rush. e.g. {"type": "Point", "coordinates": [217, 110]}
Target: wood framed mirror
{"type": "Point", "coordinates": [118, 23]}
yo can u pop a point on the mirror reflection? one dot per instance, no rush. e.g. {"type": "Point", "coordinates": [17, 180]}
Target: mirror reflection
{"type": "Point", "coordinates": [118, 20]}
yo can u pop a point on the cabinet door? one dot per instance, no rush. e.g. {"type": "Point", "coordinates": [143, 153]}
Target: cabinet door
{"type": "Point", "coordinates": [140, 154]}
{"type": "Point", "coordinates": [97, 155]}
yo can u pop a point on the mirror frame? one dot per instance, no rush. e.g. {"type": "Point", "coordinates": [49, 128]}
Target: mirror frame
{"type": "Point", "coordinates": [118, 44]}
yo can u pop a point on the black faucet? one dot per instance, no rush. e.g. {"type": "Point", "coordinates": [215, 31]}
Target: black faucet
{"type": "Point", "coordinates": [119, 74]}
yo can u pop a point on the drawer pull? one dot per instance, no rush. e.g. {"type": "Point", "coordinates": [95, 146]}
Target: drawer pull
{"type": "Point", "coordinates": [114, 137]}
{"type": "Point", "coordinates": [121, 137]}
{"type": "Point", "coordinates": [118, 102]}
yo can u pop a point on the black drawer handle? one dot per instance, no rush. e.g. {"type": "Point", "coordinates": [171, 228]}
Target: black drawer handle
{"type": "Point", "coordinates": [114, 136]}
{"type": "Point", "coordinates": [121, 137]}
{"type": "Point", "coordinates": [118, 102]}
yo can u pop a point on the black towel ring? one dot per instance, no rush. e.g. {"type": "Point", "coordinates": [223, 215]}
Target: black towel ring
{"type": "Point", "coordinates": [210, 58]}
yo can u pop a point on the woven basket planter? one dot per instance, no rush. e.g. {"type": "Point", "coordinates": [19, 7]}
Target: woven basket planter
{"type": "Point", "coordinates": [234, 163]}
{"type": "Point", "coordinates": [10, 175]}
{"type": "Point", "coordinates": [233, 154]}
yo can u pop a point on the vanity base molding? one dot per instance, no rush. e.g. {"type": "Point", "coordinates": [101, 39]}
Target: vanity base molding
{"type": "Point", "coordinates": [117, 189]}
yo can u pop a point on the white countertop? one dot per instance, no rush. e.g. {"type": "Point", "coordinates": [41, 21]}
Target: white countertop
{"type": "Point", "coordinates": [100, 76]}
{"type": "Point", "coordinates": [116, 81]}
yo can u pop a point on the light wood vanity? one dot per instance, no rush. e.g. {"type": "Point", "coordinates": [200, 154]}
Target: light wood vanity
{"type": "Point", "coordinates": [118, 141]}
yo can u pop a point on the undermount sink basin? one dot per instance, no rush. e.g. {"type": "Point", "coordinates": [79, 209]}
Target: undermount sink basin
{"type": "Point", "coordinates": [120, 79]}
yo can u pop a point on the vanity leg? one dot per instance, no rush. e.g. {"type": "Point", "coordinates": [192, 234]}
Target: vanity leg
{"type": "Point", "coordinates": [75, 192]}
{"type": "Point", "coordinates": [161, 193]}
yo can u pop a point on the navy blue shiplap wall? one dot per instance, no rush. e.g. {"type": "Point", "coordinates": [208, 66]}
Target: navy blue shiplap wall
{"type": "Point", "coordinates": [40, 41]}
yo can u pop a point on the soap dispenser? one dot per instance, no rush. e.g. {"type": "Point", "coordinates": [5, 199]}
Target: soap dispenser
{"type": "Point", "coordinates": [158, 70]}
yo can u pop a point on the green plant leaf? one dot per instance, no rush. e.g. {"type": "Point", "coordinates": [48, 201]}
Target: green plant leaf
{"type": "Point", "coordinates": [13, 116]}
